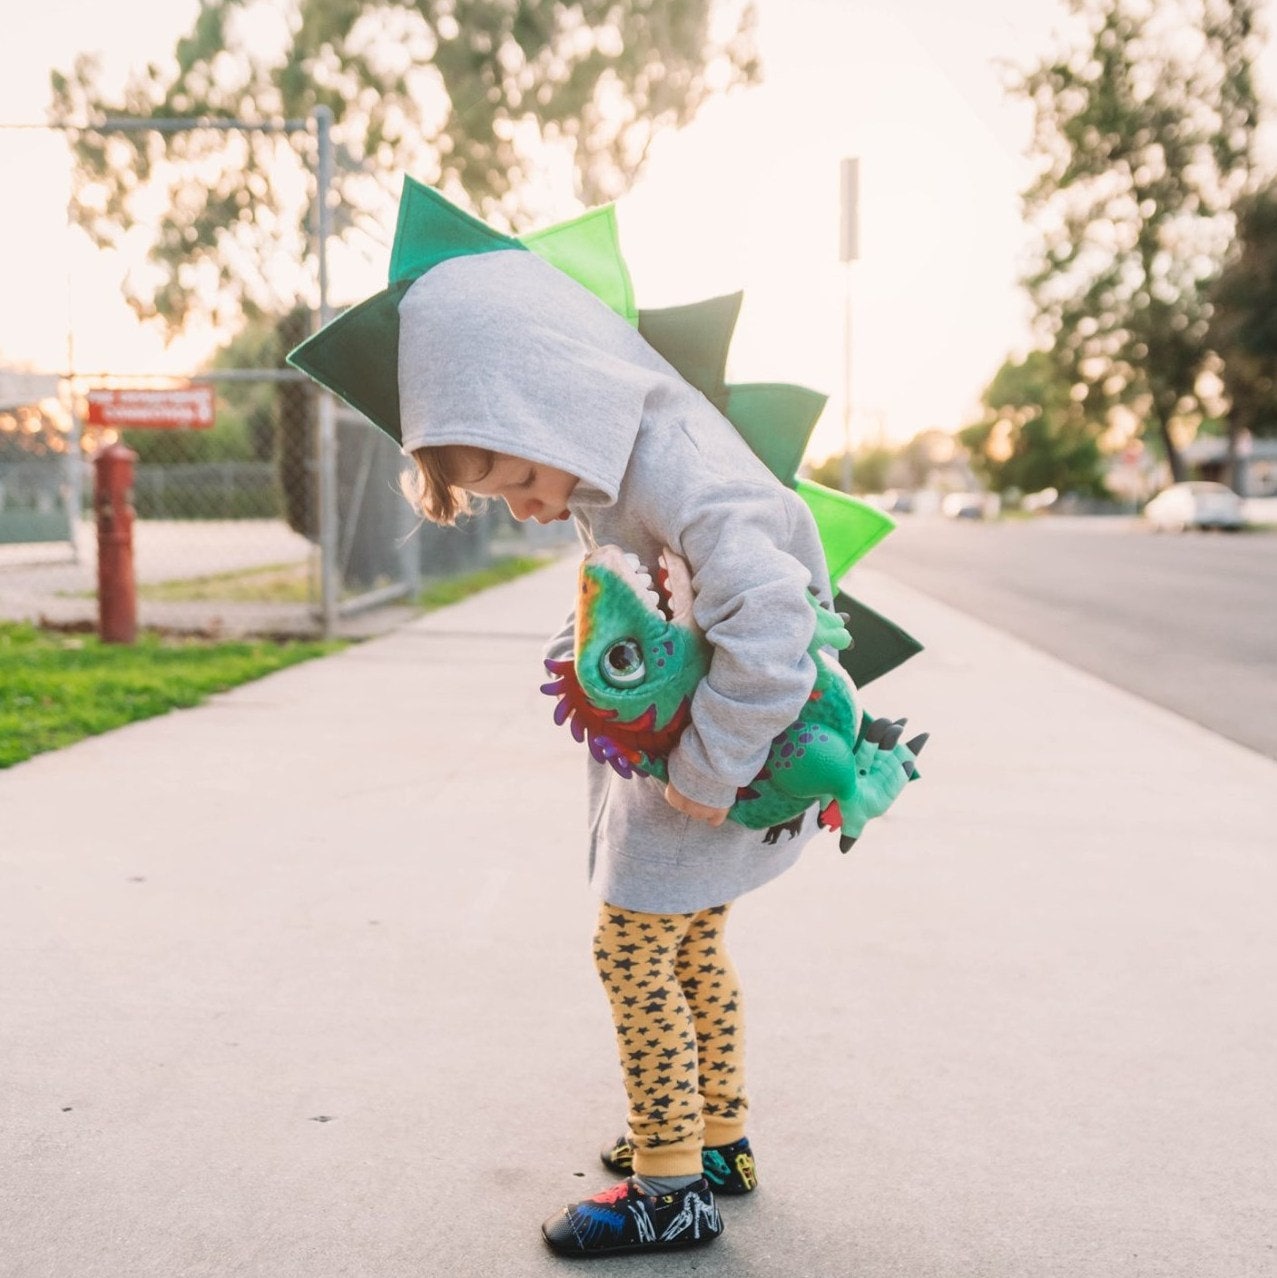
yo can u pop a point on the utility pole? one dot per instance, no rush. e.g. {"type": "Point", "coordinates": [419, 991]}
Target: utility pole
{"type": "Point", "coordinates": [329, 585]}
{"type": "Point", "coordinates": [848, 252]}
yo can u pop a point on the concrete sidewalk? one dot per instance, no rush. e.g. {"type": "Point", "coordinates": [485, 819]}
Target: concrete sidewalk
{"type": "Point", "coordinates": [297, 984]}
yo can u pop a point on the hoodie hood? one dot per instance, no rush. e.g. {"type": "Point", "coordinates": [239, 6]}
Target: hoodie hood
{"type": "Point", "coordinates": [503, 351]}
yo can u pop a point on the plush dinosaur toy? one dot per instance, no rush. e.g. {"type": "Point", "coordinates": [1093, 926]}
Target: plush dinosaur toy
{"type": "Point", "coordinates": [639, 658]}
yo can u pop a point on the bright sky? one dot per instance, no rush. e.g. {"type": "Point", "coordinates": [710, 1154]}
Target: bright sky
{"type": "Point", "coordinates": [746, 197]}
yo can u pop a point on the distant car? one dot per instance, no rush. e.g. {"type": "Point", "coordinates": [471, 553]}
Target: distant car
{"type": "Point", "coordinates": [1031, 503]}
{"type": "Point", "coordinates": [1195, 504]}
{"type": "Point", "coordinates": [970, 505]}
{"type": "Point", "coordinates": [962, 506]}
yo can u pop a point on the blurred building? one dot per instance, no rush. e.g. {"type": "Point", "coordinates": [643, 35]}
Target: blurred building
{"type": "Point", "coordinates": [1207, 458]}
{"type": "Point", "coordinates": [36, 480]}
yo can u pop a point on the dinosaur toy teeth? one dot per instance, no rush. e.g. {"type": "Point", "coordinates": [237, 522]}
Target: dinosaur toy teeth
{"type": "Point", "coordinates": [675, 583]}
{"type": "Point", "coordinates": [668, 594]}
{"type": "Point", "coordinates": [630, 569]}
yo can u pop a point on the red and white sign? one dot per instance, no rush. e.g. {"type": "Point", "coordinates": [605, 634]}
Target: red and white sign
{"type": "Point", "coordinates": [151, 408]}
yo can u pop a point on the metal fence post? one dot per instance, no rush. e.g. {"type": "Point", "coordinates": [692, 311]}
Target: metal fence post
{"type": "Point", "coordinates": [329, 584]}
{"type": "Point", "coordinates": [188, 496]}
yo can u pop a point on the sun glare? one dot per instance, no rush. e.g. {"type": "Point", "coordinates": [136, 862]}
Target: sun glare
{"type": "Point", "coordinates": [744, 198]}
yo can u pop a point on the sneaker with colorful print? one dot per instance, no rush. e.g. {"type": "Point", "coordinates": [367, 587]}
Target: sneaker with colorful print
{"type": "Point", "coordinates": [625, 1219]}
{"type": "Point", "coordinates": [729, 1169]}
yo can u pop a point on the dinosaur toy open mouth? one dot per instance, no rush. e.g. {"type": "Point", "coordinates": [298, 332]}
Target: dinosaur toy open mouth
{"type": "Point", "coordinates": [668, 594]}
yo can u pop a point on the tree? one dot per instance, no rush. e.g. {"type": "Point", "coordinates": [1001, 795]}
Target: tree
{"type": "Point", "coordinates": [1143, 136]}
{"type": "Point", "coordinates": [252, 403]}
{"type": "Point", "coordinates": [870, 467]}
{"type": "Point", "coordinates": [1243, 325]}
{"type": "Point", "coordinates": [468, 95]}
{"type": "Point", "coordinates": [1034, 434]}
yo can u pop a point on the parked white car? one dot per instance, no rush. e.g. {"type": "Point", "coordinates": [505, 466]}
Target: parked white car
{"type": "Point", "coordinates": [1196, 504]}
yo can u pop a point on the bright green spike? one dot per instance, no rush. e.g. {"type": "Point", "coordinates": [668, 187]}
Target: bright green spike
{"type": "Point", "coordinates": [776, 421]}
{"type": "Point", "coordinates": [849, 528]}
{"type": "Point", "coordinates": [588, 248]}
{"type": "Point", "coordinates": [357, 357]}
{"type": "Point", "coordinates": [878, 645]}
{"type": "Point", "coordinates": [695, 339]}
{"type": "Point", "coordinates": [431, 230]}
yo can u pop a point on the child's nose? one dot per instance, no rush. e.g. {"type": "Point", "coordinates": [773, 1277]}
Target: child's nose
{"type": "Point", "coordinates": [523, 507]}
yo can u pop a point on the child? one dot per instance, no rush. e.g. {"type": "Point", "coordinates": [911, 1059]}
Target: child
{"type": "Point", "coordinates": [516, 383]}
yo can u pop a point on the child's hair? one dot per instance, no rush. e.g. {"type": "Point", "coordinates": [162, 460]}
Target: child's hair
{"type": "Point", "coordinates": [432, 489]}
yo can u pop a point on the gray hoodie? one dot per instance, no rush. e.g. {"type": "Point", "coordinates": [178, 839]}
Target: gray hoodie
{"type": "Point", "coordinates": [503, 351]}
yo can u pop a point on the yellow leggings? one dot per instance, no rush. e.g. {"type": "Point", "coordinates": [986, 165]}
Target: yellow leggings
{"type": "Point", "coordinates": [676, 1005]}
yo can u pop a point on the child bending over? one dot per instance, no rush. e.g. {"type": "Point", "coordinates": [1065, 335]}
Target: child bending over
{"type": "Point", "coordinates": [516, 383]}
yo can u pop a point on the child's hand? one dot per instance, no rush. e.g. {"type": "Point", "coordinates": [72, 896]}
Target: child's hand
{"type": "Point", "coordinates": [698, 811]}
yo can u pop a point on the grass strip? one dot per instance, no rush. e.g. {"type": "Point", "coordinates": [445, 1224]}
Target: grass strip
{"type": "Point", "coordinates": [450, 590]}
{"type": "Point", "coordinates": [271, 583]}
{"type": "Point", "coordinates": [58, 688]}
{"type": "Point", "coordinates": [290, 583]}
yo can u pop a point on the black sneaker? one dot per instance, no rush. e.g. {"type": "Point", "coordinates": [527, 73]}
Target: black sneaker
{"type": "Point", "coordinates": [624, 1218]}
{"type": "Point", "coordinates": [729, 1169]}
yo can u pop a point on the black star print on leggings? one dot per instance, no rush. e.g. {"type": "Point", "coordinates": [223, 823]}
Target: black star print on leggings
{"type": "Point", "coordinates": [676, 1005]}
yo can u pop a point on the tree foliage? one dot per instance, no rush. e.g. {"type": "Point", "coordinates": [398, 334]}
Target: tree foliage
{"type": "Point", "coordinates": [1143, 133]}
{"type": "Point", "coordinates": [1034, 433]}
{"type": "Point", "coordinates": [870, 468]}
{"type": "Point", "coordinates": [1243, 326]}
{"type": "Point", "coordinates": [479, 97]}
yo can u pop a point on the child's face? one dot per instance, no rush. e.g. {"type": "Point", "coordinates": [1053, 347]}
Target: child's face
{"type": "Point", "coordinates": [532, 490]}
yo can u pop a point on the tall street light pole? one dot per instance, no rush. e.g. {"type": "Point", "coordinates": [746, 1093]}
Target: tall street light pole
{"type": "Point", "coordinates": [848, 252]}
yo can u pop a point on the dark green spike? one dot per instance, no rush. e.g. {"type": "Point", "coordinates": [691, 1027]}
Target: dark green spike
{"type": "Point", "coordinates": [776, 421]}
{"type": "Point", "coordinates": [880, 645]}
{"type": "Point", "coordinates": [695, 339]}
{"type": "Point", "coordinates": [431, 230]}
{"type": "Point", "coordinates": [357, 357]}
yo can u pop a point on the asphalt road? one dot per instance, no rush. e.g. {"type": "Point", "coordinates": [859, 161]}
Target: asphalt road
{"type": "Point", "coordinates": [1188, 621]}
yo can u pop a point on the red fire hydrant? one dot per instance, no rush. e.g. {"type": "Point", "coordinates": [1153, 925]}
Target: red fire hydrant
{"type": "Point", "coordinates": [113, 501]}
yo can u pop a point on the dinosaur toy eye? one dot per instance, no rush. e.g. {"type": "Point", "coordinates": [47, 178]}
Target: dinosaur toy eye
{"type": "Point", "coordinates": [622, 663]}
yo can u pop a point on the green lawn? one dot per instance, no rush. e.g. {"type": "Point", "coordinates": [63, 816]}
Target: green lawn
{"type": "Point", "coordinates": [57, 688]}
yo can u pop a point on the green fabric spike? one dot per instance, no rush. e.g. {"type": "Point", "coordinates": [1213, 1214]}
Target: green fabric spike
{"type": "Point", "coordinates": [695, 339]}
{"type": "Point", "coordinates": [431, 230]}
{"type": "Point", "coordinates": [878, 645]}
{"type": "Point", "coordinates": [849, 528]}
{"type": "Point", "coordinates": [588, 248]}
{"type": "Point", "coordinates": [357, 357]}
{"type": "Point", "coordinates": [776, 421]}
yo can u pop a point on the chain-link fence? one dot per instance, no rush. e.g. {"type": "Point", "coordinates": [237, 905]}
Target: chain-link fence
{"type": "Point", "coordinates": [280, 516]}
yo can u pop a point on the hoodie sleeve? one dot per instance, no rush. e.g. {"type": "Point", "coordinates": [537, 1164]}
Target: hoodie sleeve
{"type": "Point", "coordinates": [751, 600]}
